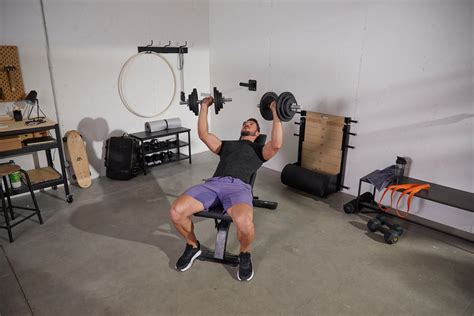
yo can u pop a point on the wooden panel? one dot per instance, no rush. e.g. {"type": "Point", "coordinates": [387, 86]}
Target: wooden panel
{"type": "Point", "coordinates": [11, 81]}
{"type": "Point", "coordinates": [328, 119]}
{"type": "Point", "coordinates": [43, 174]}
{"type": "Point", "coordinates": [322, 143]}
{"type": "Point", "coordinates": [318, 159]}
{"type": "Point", "coordinates": [323, 133]}
{"type": "Point", "coordinates": [334, 154]}
{"type": "Point", "coordinates": [324, 128]}
{"type": "Point", "coordinates": [315, 142]}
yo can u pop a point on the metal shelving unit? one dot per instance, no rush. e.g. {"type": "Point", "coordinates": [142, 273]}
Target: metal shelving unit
{"type": "Point", "coordinates": [143, 137]}
{"type": "Point", "coordinates": [18, 128]}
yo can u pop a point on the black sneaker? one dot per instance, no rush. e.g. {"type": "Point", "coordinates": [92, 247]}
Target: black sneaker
{"type": "Point", "coordinates": [187, 258]}
{"type": "Point", "coordinates": [245, 272]}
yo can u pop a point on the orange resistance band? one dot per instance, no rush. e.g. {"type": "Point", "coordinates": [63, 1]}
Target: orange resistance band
{"type": "Point", "coordinates": [410, 189]}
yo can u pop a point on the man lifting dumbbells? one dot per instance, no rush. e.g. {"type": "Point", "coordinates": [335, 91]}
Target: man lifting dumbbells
{"type": "Point", "coordinates": [229, 186]}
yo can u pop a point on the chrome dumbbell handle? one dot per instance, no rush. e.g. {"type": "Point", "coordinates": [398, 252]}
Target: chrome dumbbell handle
{"type": "Point", "coordinates": [295, 107]}
{"type": "Point", "coordinates": [204, 94]}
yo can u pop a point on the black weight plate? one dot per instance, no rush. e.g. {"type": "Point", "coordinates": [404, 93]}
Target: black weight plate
{"type": "Point", "coordinates": [265, 101]}
{"type": "Point", "coordinates": [287, 100]}
{"type": "Point", "coordinates": [278, 101]}
{"type": "Point", "coordinates": [286, 104]}
{"type": "Point", "coordinates": [292, 102]}
{"type": "Point", "coordinates": [280, 105]}
{"type": "Point", "coordinates": [286, 109]}
{"type": "Point", "coordinates": [192, 102]}
{"type": "Point", "coordinates": [280, 113]}
{"type": "Point", "coordinates": [217, 100]}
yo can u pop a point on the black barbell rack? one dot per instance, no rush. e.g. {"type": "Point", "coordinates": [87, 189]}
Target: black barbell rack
{"type": "Point", "coordinates": [344, 145]}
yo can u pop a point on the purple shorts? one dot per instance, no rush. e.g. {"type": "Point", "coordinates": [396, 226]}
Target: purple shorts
{"type": "Point", "coordinates": [221, 190]}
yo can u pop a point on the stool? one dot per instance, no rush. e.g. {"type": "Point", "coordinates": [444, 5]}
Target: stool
{"type": "Point", "coordinates": [7, 207]}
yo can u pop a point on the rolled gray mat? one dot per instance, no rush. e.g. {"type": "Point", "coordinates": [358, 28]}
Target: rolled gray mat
{"type": "Point", "coordinates": [161, 125]}
{"type": "Point", "coordinates": [308, 181]}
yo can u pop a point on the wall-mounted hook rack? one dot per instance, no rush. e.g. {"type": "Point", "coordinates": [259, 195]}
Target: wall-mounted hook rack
{"type": "Point", "coordinates": [167, 49]}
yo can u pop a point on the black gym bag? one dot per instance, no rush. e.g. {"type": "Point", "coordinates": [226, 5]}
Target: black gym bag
{"type": "Point", "coordinates": [121, 158]}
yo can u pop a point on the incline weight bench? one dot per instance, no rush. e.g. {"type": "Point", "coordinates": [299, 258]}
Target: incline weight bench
{"type": "Point", "coordinates": [223, 221]}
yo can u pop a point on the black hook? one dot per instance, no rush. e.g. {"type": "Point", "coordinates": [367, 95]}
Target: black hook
{"type": "Point", "coordinates": [149, 45]}
{"type": "Point", "coordinates": [185, 44]}
{"type": "Point", "coordinates": [169, 44]}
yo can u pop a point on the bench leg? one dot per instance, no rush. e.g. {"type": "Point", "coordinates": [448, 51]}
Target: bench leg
{"type": "Point", "coordinates": [220, 255]}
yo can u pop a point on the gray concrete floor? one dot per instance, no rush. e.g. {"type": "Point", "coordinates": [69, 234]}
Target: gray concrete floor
{"type": "Point", "coordinates": [112, 252]}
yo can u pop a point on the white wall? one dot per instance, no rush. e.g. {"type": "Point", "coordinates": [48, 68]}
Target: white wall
{"type": "Point", "coordinates": [2, 20]}
{"type": "Point", "coordinates": [89, 43]}
{"type": "Point", "coordinates": [402, 69]}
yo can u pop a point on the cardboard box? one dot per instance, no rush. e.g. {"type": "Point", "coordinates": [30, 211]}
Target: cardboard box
{"type": "Point", "coordinates": [10, 143]}
{"type": "Point", "coordinates": [22, 137]}
{"type": "Point", "coordinates": [40, 134]}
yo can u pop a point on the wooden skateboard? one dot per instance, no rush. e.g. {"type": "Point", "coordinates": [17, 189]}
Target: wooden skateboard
{"type": "Point", "coordinates": [76, 156]}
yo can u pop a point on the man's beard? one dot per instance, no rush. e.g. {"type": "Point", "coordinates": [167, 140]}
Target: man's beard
{"type": "Point", "coordinates": [247, 133]}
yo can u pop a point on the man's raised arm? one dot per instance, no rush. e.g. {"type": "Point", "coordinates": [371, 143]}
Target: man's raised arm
{"type": "Point", "coordinates": [212, 141]}
{"type": "Point", "coordinates": [271, 148]}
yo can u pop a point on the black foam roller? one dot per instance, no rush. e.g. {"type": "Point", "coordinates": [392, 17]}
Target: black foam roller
{"type": "Point", "coordinates": [306, 180]}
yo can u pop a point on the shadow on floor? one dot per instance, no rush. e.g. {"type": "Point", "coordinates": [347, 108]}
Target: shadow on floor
{"type": "Point", "coordinates": [146, 222]}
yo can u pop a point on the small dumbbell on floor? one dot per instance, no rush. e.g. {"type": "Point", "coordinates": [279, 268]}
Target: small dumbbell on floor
{"type": "Point", "coordinates": [351, 206]}
{"type": "Point", "coordinates": [384, 220]}
{"type": "Point", "coordinates": [390, 235]}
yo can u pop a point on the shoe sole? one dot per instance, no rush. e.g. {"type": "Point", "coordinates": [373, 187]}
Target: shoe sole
{"type": "Point", "coordinates": [190, 262]}
{"type": "Point", "coordinates": [238, 277]}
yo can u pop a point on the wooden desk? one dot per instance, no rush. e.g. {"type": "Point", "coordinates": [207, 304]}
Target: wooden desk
{"type": "Point", "coordinates": [11, 128]}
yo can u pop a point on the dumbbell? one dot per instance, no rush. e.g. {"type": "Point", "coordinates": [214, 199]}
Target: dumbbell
{"type": "Point", "coordinates": [383, 219]}
{"type": "Point", "coordinates": [390, 235]}
{"type": "Point", "coordinates": [192, 101]}
{"type": "Point", "coordinates": [149, 160]}
{"type": "Point", "coordinates": [286, 106]}
{"type": "Point", "coordinates": [350, 207]}
{"type": "Point", "coordinates": [157, 159]}
{"type": "Point", "coordinates": [146, 147]}
{"type": "Point", "coordinates": [163, 156]}
{"type": "Point", "coordinates": [154, 145]}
